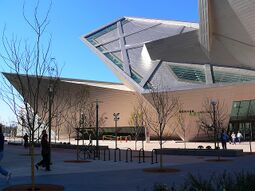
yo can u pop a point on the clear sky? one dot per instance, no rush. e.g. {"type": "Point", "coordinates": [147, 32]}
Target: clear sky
{"type": "Point", "coordinates": [69, 19]}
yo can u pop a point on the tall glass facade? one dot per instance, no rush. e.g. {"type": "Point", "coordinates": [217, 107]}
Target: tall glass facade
{"type": "Point", "coordinates": [243, 110]}
{"type": "Point", "coordinates": [242, 118]}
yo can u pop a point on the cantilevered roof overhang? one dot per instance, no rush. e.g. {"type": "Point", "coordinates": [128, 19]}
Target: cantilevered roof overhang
{"type": "Point", "coordinates": [227, 32]}
{"type": "Point", "coordinates": [108, 85]}
{"type": "Point", "coordinates": [182, 48]}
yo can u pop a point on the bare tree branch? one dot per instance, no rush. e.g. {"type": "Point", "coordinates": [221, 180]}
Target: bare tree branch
{"type": "Point", "coordinates": [160, 108]}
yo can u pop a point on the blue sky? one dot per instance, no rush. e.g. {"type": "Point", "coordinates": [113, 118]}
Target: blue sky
{"type": "Point", "coordinates": [71, 19]}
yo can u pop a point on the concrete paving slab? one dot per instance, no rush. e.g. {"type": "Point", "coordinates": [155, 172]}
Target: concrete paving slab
{"type": "Point", "coordinates": [102, 175]}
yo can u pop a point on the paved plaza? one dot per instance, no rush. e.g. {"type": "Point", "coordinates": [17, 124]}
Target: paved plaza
{"type": "Point", "coordinates": [102, 175]}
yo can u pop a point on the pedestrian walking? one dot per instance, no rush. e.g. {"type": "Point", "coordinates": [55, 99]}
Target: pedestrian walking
{"type": "Point", "coordinates": [233, 137]}
{"type": "Point", "coordinates": [224, 138]}
{"type": "Point", "coordinates": [2, 170]}
{"type": "Point", "coordinates": [239, 136]}
{"type": "Point", "coordinates": [45, 152]}
{"type": "Point", "coordinates": [25, 138]}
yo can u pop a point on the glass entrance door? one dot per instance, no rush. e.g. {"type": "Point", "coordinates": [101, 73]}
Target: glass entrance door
{"type": "Point", "coordinates": [247, 129]}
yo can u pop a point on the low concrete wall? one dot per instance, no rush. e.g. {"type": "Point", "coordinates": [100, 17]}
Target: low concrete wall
{"type": "Point", "coordinates": [202, 152]}
{"type": "Point", "coordinates": [57, 145]}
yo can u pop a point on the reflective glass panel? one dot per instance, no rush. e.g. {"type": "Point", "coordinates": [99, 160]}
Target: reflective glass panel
{"type": "Point", "coordinates": [243, 109]}
{"type": "Point", "coordinates": [115, 60]}
{"type": "Point", "coordinates": [135, 76]}
{"type": "Point", "coordinates": [188, 73]}
{"type": "Point", "coordinates": [252, 108]}
{"type": "Point", "coordinates": [235, 109]}
{"type": "Point", "coordinates": [228, 77]}
{"type": "Point", "coordinates": [92, 38]}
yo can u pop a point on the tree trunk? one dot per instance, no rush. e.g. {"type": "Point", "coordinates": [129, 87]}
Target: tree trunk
{"type": "Point", "coordinates": [250, 138]}
{"type": "Point", "coordinates": [185, 146]}
{"type": "Point", "coordinates": [32, 163]}
{"type": "Point", "coordinates": [161, 150]}
{"type": "Point", "coordinates": [58, 133]}
{"type": "Point", "coordinates": [135, 143]}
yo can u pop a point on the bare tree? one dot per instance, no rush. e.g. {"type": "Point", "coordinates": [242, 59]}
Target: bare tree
{"type": "Point", "coordinates": [77, 104]}
{"type": "Point", "coordinates": [136, 121]}
{"type": "Point", "coordinates": [27, 63]}
{"type": "Point", "coordinates": [69, 130]}
{"type": "Point", "coordinates": [61, 109]}
{"type": "Point", "coordinates": [58, 124]}
{"type": "Point", "coordinates": [158, 113]}
{"type": "Point", "coordinates": [213, 118]}
{"type": "Point", "coordinates": [83, 112]}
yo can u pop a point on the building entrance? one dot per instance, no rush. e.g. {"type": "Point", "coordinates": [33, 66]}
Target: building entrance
{"type": "Point", "coordinates": [246, 128]}
{"type": "Point", "coordinates": [242, 118]}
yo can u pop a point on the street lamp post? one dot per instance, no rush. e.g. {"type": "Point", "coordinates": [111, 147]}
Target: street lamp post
{"type": "Point", "coordinates": [116, 118]}
{"type": "Point", "coordinates": [213, 102]}
{"type": "Point", "coordinates": [50, 91]}
{"type": "Point", "coordinates": [97, 126]}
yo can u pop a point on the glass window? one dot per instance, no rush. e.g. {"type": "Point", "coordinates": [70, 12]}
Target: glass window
{"type": "Point", "coordinates": [148, 85]}
{"type": "Point", "coordinates": [135, 76]}
{"type": "Point", "coordinates": [235, 109]}
{"type": "Point", "coordinates": [115, 60]}
{"type": "Point", "coordinates": [221, 76]}
{"type": "Point", "coordinates": [92, 38]}
{"type": "Point", "coordinates": [101, 48]}
{"type": "Point", "coordinates": [243, 109]}
{"type": "Point", "coordinates": [188, 73]}
{"type": "Point", "coordinates": [252, 108]}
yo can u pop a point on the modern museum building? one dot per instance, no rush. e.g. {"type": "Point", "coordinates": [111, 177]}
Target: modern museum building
{"type": "Point", "coordinates": [210, 60]}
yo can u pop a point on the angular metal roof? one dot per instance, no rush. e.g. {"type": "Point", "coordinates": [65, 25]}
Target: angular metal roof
{"type": "Point", "coordinates": [144, 52]}
{"type": "Point", "coordinates": [100, 84]}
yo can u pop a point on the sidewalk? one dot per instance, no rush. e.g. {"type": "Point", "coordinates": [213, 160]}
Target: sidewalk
{"type": "Point", "coordinates": [167, 144]}
{"type": "Point", "coordinates": [102, 175]}
{"type": "Point", "coordinates": [155, 144]}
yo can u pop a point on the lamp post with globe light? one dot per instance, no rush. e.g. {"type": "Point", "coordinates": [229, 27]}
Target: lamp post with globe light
{"type": "Point", "coordinates": [50, 92]}
{"type": "Point", "coordinates": [116, 118]}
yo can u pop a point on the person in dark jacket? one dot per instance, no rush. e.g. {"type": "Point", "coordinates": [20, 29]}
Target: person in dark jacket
{"type": "Point", "coordinates": [25, 137]}
{"type": "Point", "coordinates": [224, 139]}
{"type": "Point", "coordinates": [45, 162]}
{"type": "Point", "coordinates": [2, 170]}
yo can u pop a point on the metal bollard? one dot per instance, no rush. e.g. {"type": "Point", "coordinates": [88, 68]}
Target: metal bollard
{"type": "Point", "coordinates": [109, 153]}
{"type": "Point", "coordinates": [115, 153]}
{"type": "Point", "coordinates": [141, 151]}
{"type": "Point", "coordinates": [130, 155]}
{"type": "Point", "coordinates": [152, 156]}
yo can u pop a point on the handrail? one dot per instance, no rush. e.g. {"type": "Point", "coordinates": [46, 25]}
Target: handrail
{"type": "Point", "coordinates": [129, 150]}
